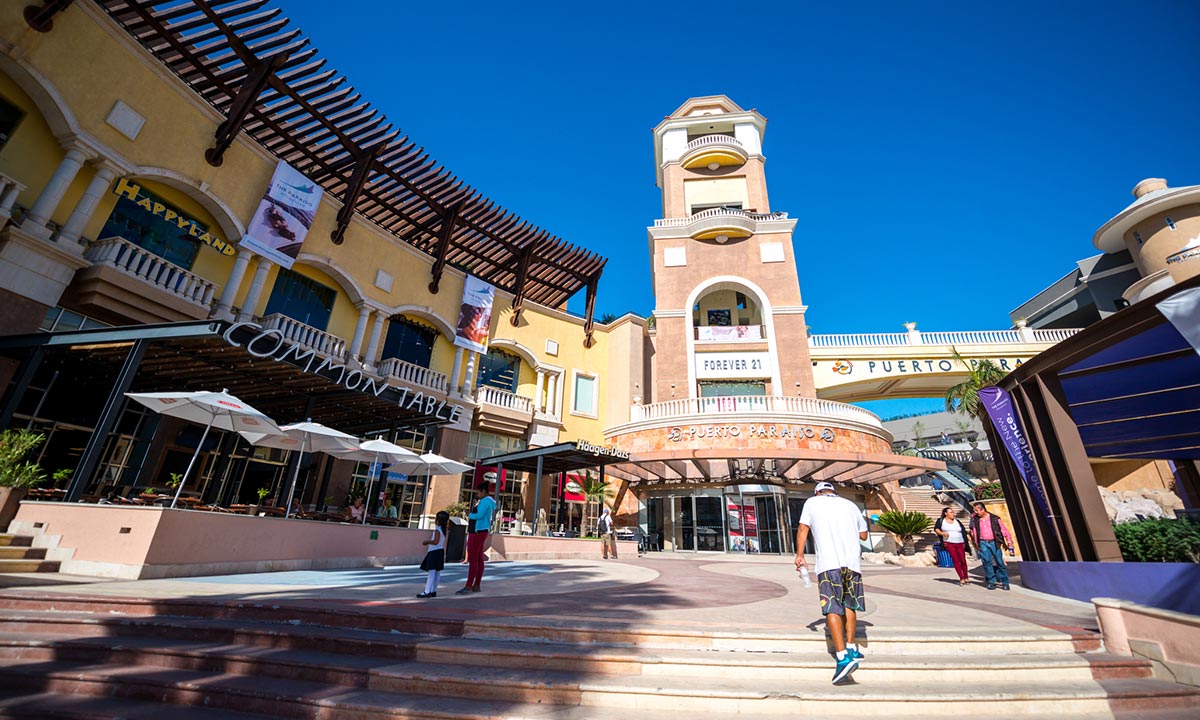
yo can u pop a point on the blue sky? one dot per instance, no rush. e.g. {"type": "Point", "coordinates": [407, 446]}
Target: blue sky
{"type": "Point", "coordinates": [946, 160]}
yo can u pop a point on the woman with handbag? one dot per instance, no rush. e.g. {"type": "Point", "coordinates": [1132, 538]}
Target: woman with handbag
{"type": "Point", "coordinates": [954, 538]}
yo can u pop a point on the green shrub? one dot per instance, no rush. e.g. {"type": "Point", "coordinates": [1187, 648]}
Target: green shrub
{"type": "Point", "coordinates": [904, 525]}
{"type": "Point", "coordinates": [989, 491]}
{"type": "Point", "coordinates": [1159, 540]}
{"type": "Point", "coordinates": [15, 471]}
{"type": "Point", "coordinates": [458, 509]}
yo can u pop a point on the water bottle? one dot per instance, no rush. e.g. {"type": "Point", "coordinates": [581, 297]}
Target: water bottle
{"type": "Point", "coordinates": [804, 577]}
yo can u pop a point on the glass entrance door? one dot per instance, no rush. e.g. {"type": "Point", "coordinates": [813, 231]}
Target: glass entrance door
{"type": "Point", "coordinates": [770, 538]}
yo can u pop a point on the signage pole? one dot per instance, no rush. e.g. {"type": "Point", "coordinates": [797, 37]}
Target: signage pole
{"type": "Point", "coordinates": [537, 494]}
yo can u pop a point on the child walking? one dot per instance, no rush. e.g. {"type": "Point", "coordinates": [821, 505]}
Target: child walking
{"type": "Point", "coordinates": [435, 558]}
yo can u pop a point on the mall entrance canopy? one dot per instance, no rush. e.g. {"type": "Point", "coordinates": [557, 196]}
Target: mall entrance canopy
{"type": "Point", "coordinates": [1128, 387]}
{"type": "Point", "coordinates": [798, 466]}
{"type": "Point", "coordinates": [80, 378]}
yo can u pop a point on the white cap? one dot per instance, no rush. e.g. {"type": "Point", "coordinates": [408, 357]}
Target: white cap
{"type": "Point", "coordinates": [823, 486]}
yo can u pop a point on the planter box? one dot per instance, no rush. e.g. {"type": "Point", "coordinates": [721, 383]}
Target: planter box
{"type": "Point", "coordinates": [1169, 586]}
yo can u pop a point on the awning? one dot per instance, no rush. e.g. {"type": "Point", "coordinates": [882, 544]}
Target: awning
{"type": "Point", "coordinates": [563, 457]}
{"type": "Point", "coordinates": [284, 380]}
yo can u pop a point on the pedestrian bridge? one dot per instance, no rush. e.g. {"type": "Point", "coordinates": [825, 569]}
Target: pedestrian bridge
{"type": "Point", "coordinates": [874, 366]}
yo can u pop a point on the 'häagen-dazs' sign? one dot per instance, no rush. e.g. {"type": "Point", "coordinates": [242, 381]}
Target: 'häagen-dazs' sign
{"type": "Point", "coordinates": [784, 432]}
{"type": "Point", "coordinates": [270, 343]}
{"type": "Point", "coordinates": [585, 446]}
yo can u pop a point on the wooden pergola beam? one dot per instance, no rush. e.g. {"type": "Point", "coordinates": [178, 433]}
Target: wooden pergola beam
{"type": "Point", "coordinates": [358, 180]}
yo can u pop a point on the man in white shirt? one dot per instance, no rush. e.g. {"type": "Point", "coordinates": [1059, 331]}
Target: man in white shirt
{"type": "Point", "coordinates": [837, 527]}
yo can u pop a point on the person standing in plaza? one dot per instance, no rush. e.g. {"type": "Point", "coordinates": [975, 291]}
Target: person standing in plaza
{"type": "Point", "coordinates": [991, 539]}
{"type": "Point", "coordinates": [480, 521]}
{"type": "Point", "coordinates": [837, 527]}
{"type": "Point", "coordinates": [608, 534]}
{"type": "Point", "coordinates": [954, 538]}
{"type": "Point", "coordinates": [435, 556]}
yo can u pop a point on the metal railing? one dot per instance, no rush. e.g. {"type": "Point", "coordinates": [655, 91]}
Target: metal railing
{"type": "Point", "coordinates": [306, 335]}
{"type": "Point", "coordinates": [766, 404]}
{"type": "Point", "coordinates": [489, 395]}
{"type": "Point", "coordinates": [135, 261]}
{"type": "Point", "coordinates": [415, 374]}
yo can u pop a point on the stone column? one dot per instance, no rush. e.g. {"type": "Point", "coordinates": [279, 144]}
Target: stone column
{"type": "Point", "coordinates": [454, 370]}
{"type": "Point", "coordinates": [8, 198]}
{"type": "Point", "coordinates": [538, 399]}
{"type": "Point", "coordinates": [256, 289]}
{"type": "Point", "coordinates": [372, 355]}
{"type": "Point", "coordinates": [552, 399]}
{"type": "Point", "coordinates": [360, 329]}
{"type": "Point", "coordinates": [232, 283]}
{"type": "Point", "coordinates": [47, 202]}
{"type": "Point", "coordinates": [469, 382]}
{"type": "Point", "coordinates": [86, 207]}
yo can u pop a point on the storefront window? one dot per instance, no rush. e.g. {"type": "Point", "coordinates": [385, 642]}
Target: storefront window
{"type": "Point", "coordinates": [302, 299]}
{"type": "Point", "coordinates": [144, 222]}
{"type": "Point", "coordinates": [10, 118]}
{"type": "Point", "coordinates": [482, 445]}
{"type": "Point", "coordinates": [499, 369]}
{"type": "Point", "coordinates": [409, 341]}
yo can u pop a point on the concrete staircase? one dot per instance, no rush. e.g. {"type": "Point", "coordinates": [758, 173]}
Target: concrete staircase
{"type": "Point", "coordinates": [18, 554]}
{"type": "Point", "coordinates": [76, 658]}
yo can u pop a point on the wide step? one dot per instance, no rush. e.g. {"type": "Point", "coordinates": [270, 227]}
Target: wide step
{"type": "Point", "coordinates": [9, 565]}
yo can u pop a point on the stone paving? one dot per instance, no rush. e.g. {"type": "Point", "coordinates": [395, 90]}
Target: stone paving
{"type": "Point", "coordinates": [713, 592]}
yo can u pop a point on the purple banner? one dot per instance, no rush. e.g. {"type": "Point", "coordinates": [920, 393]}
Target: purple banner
{"type": "Point", "coordinates": [1000, 409]}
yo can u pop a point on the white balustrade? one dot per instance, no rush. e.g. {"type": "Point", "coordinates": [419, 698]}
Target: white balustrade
{"type": "Point", "coordinates": [415, 374]}
{"type": "Point", "coordinates": [140, 263]}
{"type": "Point", "coordinates": [967, 337]}
{"type": "Point", "coordinates": [503, 398]}
{"type": "Point", "coordinates": [306, 335]}
{"type": "Point", "coordinates": [686, 408]}
{"type": "Point", "coordinates": [706, 140]}
{"type": "Point", "coordinates": [719, 212]}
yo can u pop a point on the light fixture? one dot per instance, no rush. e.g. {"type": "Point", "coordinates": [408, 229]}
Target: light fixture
{"type": "Point", "coordinates": [721, 239]}
{"type": "Point", "coordinates": [714, 165]}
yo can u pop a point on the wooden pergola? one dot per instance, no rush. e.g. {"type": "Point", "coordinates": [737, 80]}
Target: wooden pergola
{"type": "Point", "coordinates": [263, 76]}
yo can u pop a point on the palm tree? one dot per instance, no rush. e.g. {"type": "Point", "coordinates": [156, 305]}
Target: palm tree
{"type": "Point", "coordinates": [905, 525]}
{"type": "Point", "coordinates": [594, 489]}
{"type": "Point", "coordinates": [964, 397]}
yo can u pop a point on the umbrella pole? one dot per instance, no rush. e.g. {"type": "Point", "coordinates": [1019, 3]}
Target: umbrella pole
{"type": "Point", "coordinates": [370, 486]}
{"type": "Point", "coordinates": [295, 474]}
{"type": "Point", "coordinates": [192, 462]}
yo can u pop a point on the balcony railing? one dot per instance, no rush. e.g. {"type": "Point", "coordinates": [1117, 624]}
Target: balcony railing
{"type": "Point", "coordinates": [488, 395]}
{"type": "Point", "coordinates": [707, 140]}
{"type": "Point", "coordinates": [730, 333]}
{"type": "Point", "coordinates": [415, 374]}
{"type": "Point", "coordinates": [306, 335]}
{"type": "Point", "coordinates": [710, 213]}
{"type": "Point", "coordinates": [140, 263]}
{"type": "Point", "coordinates": [762, 404]}
{"type": "Point", "coordinates": [967, 337]}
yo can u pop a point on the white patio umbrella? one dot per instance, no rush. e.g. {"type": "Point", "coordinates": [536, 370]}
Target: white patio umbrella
{"type": "Point", "coordinates": [429, 464]}
{"type": "Point", "coordinates": [212, 409]}
{"type": "Point", "coordinates": [375, 451]}
{"type": "Point", "coordinates": [306, 436]}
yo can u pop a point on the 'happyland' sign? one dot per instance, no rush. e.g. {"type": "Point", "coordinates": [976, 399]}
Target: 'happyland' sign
{"type": "Point", "coordinates": [261, 342]}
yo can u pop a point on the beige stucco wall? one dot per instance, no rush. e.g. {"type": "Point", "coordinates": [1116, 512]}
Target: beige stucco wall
{"type": "Point", "coordinates": [1160, 241]}
{"type": "Point", "coordinates": [1120, 475]}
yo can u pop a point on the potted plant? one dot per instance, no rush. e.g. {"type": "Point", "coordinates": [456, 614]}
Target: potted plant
{"type": "Point", "coordinates": [17, 474]}
{"type": "Point", "coordinates": [262, 493]}
{"type": "Point", "coordinates": [905, 525]}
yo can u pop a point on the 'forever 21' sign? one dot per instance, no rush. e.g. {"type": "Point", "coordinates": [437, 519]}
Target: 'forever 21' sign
{"type": "Point", "coordinates": [733, 365]}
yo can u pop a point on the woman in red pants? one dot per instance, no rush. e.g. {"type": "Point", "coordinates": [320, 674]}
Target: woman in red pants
{"type": "Point", "coordinates": [480, 522]}
{"type": "Point", "coordinates": [954, 538]}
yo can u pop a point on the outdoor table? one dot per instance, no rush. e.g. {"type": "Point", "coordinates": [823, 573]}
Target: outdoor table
{"type": "Point", "coordinates": [242, 509]}
{"type": "Point", "coordinates": [272, 510]}
{"type": "Point", "coordinates": [382, 521]}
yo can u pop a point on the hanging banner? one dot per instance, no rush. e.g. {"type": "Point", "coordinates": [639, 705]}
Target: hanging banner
{"type": "Point", "coordinates": [1000, 409]}
{"type": "Point", "coordinates": [284, 216]}
{"type": "Point", "coordinates": [571, 488]}
{"type": "Point", "coordinates": [489, 474]}
{"type": "Point", "coordinates": [475, 317]}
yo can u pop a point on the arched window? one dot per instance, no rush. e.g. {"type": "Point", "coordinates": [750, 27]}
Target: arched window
{"type": "Point", "coordinates": [499, 369]}
{"type": "Point", "coordinates": [301, 298]}
{"type": "Point", "coordinates": [409, 341]}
